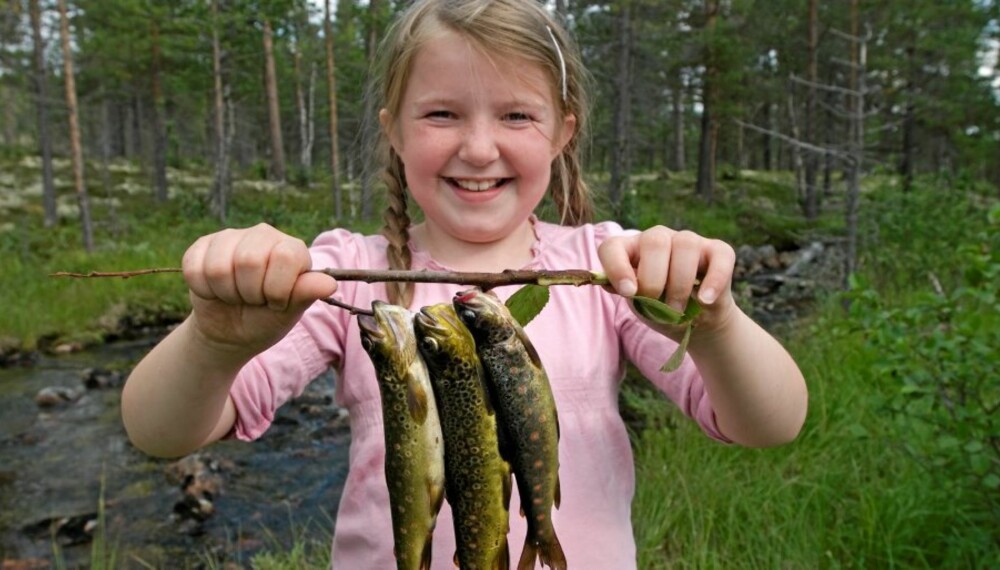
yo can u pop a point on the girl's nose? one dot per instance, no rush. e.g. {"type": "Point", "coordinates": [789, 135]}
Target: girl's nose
{"type": "Point", "coordinates": [479, 144]}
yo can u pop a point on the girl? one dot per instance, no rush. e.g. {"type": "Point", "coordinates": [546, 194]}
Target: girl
{"type": "Point", "coordinates": [482, 108]}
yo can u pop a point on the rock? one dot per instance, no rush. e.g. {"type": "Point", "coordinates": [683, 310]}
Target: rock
{"type": "Point", "coordinates": [66, 531]}
{"type": "Point", "coordinates": [67, 348]}
{"type": "Point", "coordinates": [200, 479]}
{"type": "Point", "coordinates": [56, 396]}
{"type": "Point", "coordinates": [97, 378]}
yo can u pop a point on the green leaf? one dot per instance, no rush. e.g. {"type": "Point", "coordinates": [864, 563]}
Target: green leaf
{"type": "Point", "coordinates": [991, 481]}
{"type": "Point", "coordinates": [657, 311]}
{"type": "Point", "coordinates": [527, 302]}
{"type": "Point", "coordinates": [678, 356]}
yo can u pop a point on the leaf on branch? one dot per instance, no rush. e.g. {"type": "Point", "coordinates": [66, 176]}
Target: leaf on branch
{"type": "Point", "coordinates": [527, 302]}
{"type": "Point", "coordinates": [659, 312]}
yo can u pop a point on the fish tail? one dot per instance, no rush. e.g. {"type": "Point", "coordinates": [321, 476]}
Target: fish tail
{"type": "Point", "coordinates": [550, 553]}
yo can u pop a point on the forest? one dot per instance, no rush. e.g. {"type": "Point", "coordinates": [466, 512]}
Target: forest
{"type": "Point", "coordinates": [857, 139]}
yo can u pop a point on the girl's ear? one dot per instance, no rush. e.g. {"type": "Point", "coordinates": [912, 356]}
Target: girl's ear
{"type": "Point", "coordinates": [566, 133]}
{"type": "Point", "coordinates": [385, 119]}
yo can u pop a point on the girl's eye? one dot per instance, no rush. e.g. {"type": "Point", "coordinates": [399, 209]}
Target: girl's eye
{"type": "Point", "coordinates": [517, 117]}
{"type": "Point", "coordinates": [440, 114]}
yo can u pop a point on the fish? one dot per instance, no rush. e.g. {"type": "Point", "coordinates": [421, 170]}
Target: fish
{"type": "Point", "coordinates": [526, 408]}
{"type": "Point", "coordinates": [477, 477]}
{"type": "Point", "coordinates": [414, 445]}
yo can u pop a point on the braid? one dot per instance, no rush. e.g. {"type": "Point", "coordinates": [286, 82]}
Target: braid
{"type": "Point", "coordinates": [397, 231]}
{"type": "Point", "coordinates": [570, 192]}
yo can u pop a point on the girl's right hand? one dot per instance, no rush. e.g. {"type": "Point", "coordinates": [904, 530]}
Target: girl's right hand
{"type": "Point", "coordinates": [248, 287]}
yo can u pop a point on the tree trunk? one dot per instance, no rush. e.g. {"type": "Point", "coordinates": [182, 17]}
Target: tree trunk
{"type": "Point", "coordinates": [709, 127]}
{"type": "Point", "coordinates": [810, 205]}
{"type": "Point", "coordinates": [623, 89]}
{"type": "Point", "coordinates": [331, 93]}
{"type": "Point", "coordinates": [371, 45]}
{"type": "Point", "coordinates": [42, 113]}
{"type": "Point", "coordinates": [74, 129]}
{"type": "Point", "coordinates": [909, 142]}
{"type": "Point", "coordinates": [273, 106]}
{"type": "Point", "coordinates": [303, 103]}
{"type": "Point", "coordinates": [679, 158]}
{"type": "Point", "coordinates": [561, 11]}
{"type": "Point", "coordinates": [159, 128]}
{"type": "Point", "coordinates": [858, 60]}
{"type": "Point", "coordinates": [767, 150]}
{"type": "Point", "coordinates": [221, 182]}
{"type": "Point", "coordinates": [706, 155]}
{"type": "Point", "coordinates": [798, 164]}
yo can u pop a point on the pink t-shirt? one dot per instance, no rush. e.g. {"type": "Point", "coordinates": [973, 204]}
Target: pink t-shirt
{"type": "Point", "coordinates": [583, 336]}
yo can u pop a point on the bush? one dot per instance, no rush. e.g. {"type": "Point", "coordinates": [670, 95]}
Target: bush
{"type": "Point", "coordinates": [937, 357]}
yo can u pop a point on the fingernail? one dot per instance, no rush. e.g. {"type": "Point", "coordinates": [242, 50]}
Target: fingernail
{"type": "Point", "coordinates": [626, 288]}
{"type": "Point", "coordinates": [707, 295]}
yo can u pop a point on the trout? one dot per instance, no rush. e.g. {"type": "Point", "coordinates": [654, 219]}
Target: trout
{"type": "Point", "coordinates": [414, 446]}
{"type": "Point", "coordinates": [477, 477]}
{"type": "Point", "coordinates": [523, 397]}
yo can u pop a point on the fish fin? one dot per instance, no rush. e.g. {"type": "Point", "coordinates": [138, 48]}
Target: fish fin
{"type": "Point", "coordinates": [425, 556]}
{"type": "Point", "coordinates": [416, 401]}
{"type": "Point", "coordinates": [552, 554]}
{"type": "Point", "coordinates": [454, 559]}
{"type": "Point", "coordinates": [435, 493]}
{"type": "Point", "coordinates": [503, 556]}
{"type": "Point", "coordinates": [528, 555]}
{"type": "Point", "coordinates": [528, 347]}
{"type": "Point", "coordinates": [557, 495]}
{"type": "Point", "coordinates": [507, 487]}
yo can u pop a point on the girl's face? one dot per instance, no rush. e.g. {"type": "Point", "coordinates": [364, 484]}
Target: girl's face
{"type": "Point", "coordinates": [477, 137]}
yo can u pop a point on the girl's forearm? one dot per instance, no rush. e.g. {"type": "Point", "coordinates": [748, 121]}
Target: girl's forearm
{"type": "Point", "coordinates": [758, 392]}
{"type": "Point", "coordinates": [176, 400]}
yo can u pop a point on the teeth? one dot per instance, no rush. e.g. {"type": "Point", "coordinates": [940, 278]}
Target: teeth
{"type": "Point", "coordinates": [477, 185]}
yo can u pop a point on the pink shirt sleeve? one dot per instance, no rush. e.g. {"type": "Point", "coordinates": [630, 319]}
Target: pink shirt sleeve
{"type": "Point", "coordinates": [282, 372]}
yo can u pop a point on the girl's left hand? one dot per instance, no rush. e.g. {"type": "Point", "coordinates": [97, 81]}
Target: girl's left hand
{"type": "Point", "coordinates": [665, 264]}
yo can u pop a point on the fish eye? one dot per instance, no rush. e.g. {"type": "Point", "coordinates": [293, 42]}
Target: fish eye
{"type": "Point", "coordinates": [469, 316]}
{"type": "Point", "coordinates": [366, 343]}
{"type": "Point", "coordinates": [430, 344]}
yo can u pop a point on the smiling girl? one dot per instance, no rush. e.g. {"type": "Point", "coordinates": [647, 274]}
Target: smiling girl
{"type": "Point", "coordinates": [481, 110]}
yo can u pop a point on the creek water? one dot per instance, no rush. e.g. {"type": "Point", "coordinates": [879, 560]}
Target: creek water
{"type": "Point", "coordinates": [57, 462]}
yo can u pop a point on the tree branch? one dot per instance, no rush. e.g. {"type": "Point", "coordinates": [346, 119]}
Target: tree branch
{"type": "Point", "coordinates": [483, 280]}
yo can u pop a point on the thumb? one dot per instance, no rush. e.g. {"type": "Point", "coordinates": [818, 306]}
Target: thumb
{"type": "Point", "coordinates": [312, 286]}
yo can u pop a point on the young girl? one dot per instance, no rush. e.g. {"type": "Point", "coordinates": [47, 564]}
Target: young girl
{"type": "Point", "coordinates": [482, 108]}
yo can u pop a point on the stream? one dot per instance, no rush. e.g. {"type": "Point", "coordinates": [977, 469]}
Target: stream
{"type": "Point", "coordinates": [56, 461]}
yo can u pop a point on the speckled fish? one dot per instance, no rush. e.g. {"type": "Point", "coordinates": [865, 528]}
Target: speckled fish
{"type": "Point", "coordinates": [414, 446]}
{"type": "Point", "coordinates": [523, 397]}
{"type": "Point", "coordinates": [477, 477]}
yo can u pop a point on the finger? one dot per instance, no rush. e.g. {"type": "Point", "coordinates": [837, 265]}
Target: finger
{"type": "Point", "coordinates": [720, 260]}
{"type": "Point", "coordinates": [655, 252]}
{"type": "Point", "coordinates": [288, 258]}
{"type": "Point", "coordinates": [217, 266]}
{"type": "Point", "coordinates": [684, 261]}
{"type": "Point", "coordinates": [616, 257]}
{"type": "Point", "coordinates": [192, 265]}
{"type": "Point", "coordinates": [250, 262]}
{"type": "Point", "coordinates": [312, 286]}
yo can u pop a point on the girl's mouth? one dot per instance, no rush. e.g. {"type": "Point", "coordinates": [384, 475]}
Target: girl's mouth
{"type": "Point", "coordinates": [478, 185]}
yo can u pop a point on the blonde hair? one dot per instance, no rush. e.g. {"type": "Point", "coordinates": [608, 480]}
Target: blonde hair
{"type": "Point", "coordinates": [513, 28]}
